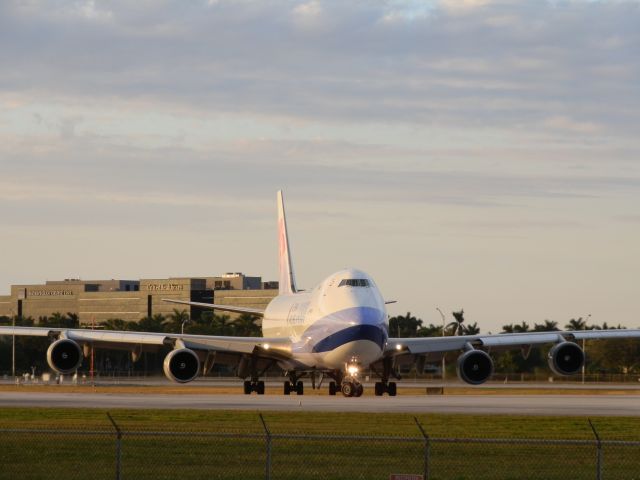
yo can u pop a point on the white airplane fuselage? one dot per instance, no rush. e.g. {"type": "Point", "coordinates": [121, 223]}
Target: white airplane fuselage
{"type": "Point", "coordinates": [340, 323]}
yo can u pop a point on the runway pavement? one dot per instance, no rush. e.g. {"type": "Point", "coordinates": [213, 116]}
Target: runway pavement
{"type": "Point", "coordinates": [577, 405]}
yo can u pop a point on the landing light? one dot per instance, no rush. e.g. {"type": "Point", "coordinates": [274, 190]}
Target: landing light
{"type": "Point", "coordinates": [398, 347]}
{"type": "Point", "coordinates": [265, 346]}
{"type": "Point", "coordinates": [353, 370]}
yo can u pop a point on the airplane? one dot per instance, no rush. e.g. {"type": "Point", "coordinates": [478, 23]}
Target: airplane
{"type": "Point", "coordinates": [336, 330]}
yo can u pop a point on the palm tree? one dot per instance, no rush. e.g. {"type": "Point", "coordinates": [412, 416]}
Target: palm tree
{"type": "Point", "coordinates": [117, 324]}
{"type": "Point", "coordinates": [430, 331]}
{"type": "Point", "coordinates": [508, 328]}
{"type": "Point", "coordinates": [56, 320]}
{"type": "Point", "coordinates": [472, 329]}
{"type": "Point", "coordinates": [245, 326]}
{"type": "Point", "coordinates": [521, 328]}
{"type": "Point", "coordinates": [405, 326]}
{"type": "Point", "coordinates": [152, 324]}
{"type": "Point", "coordinates": [547, 326]}
{"type": "Point", "coordinates": [221, 325]}
{"type": "Point", "coordinates": [576, 324]}
{"type": "Point", "coordinates": [456, 327]}
{"type": "Point", "coordinates": [177, 318]}
{"type": "Point", "coordinates": [73, 320]}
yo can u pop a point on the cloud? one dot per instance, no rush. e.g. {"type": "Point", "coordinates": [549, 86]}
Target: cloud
{"type": "Point", "coordinates": [401, 121]}
{"type": "Point", "coordinates": [569, 125]}
{"type": "Point", "coordinates": [500, 61]}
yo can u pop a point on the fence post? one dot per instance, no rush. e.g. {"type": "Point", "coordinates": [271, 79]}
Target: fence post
{"type": "Point", "coordinates": [598, 451]}
{"type": "Point", "coordinates": [426, 449]}
{"type": "Point", "coordinates": [267, 468]}
{"type": "Point", "coordinates": [118, 447]}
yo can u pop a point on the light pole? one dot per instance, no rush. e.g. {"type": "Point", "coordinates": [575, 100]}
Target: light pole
{"type": "Point", "coordinates": [584, 364]}
{"type": "Point", "coordinates": [183, 322]}
{"type": "Point", "coordinates": [13, 346]}
{"type": "Point", "coordinates": [443, 360]}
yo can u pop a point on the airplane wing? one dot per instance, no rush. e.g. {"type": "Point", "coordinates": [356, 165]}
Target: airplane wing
{"type": "Point", "coordinates": [189, 356]}
{"type": "Point", "coordinates": [224, 308]}
{"type": "Point", "coordinates": [427, 345]}
{"type": "Point", "coordinates": [126, 338]}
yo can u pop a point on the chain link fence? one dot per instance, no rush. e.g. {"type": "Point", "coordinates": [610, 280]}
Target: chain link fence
{"type": "Point", "coordinates": [139, 454]}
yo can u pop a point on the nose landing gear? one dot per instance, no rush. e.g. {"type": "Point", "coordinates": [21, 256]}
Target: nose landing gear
{"type": "Point", "coordinates": [352, 388]}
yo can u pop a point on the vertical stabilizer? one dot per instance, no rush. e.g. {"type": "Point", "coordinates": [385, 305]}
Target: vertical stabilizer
{"type": "Point", "coordinates": [287, 277]}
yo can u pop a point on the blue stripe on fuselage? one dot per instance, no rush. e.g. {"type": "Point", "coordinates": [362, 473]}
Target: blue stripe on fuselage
{"type": "Point", "coordinates": [374, 333]}
{"type": "Point", "coordinates": [344, 326]}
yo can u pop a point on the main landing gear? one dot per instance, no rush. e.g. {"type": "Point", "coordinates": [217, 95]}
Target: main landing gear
{"type": "Point", "coordinates": [248, 367]}
{"type": "Point", "coordinates": [294, 385]}
{"type": "Point", "coordinates": [297, 387]}
{"type": "Point", "coordinates": [385, 386]}
{"type": "Point", "coordinates": [253, 386]}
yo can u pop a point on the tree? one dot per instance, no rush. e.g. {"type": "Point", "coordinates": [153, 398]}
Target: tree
{"type": "Point", "coordinates": [472, 329]}
{"type": "Point", "coordinates": [457, 327]}
{"type": "Point", "coordinates": [404, 326]}
{"type": "Point", "coordinates": [118, 324]}
{"type": "Point", "coordinates": [221, 325]}
{"type": "Point", "coordinates": [176, 319]}
{"type": "Point", "coordinates": [576, 324]}
{"type": "Point", "coordinates": [547, 326]}
{"type": "Point", "coordinates": [521, 327]}
{"type": "Point", "coordinates": [430, 331]}
{"type": "Point", "coordinates": [151, 324]}
{"type": "Point", "coordinates": [245, 326]}
{"type": "Point", "coordinates": [509, 328]}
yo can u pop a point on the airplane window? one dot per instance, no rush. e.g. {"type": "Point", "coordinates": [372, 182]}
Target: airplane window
{"type": "Point", "coordinates": [354, 282]}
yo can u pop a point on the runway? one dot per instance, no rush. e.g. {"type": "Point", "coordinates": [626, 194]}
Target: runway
{"type": "Point", "coordinates": [565, 405]}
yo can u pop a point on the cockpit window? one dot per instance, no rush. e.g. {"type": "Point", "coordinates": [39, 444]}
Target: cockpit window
{"type": "Point", "coordinates": [354, 282]}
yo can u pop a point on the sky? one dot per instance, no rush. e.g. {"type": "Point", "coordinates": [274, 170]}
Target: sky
{"type": "Point", "coordinates": [467, 154]}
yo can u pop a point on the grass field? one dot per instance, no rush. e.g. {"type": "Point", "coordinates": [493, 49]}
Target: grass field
{"type": "Point", "coordinates": [332, 423]}
{"type": "Point", "coordinates": [195, 456]}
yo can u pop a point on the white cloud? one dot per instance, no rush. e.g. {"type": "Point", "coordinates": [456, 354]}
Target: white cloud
{"type": "Point", "coordinates": [567, 124]}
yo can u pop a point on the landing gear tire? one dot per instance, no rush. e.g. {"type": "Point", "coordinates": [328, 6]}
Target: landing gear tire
{"type": "Point", "coordinates": [348, 389]}
{"type": "Point", "coordinates": [332, 388]}
{"type": "Point", "coordinates": [260, 388]}
{"type": "Point", "coordinates": [359, 390]}
{"type": "Point", "coordinates": [379, 389]}
{"type": "Point", "coordinates": [287, 388]}
{"type": "Point", "coordinates": [300, 388]}
{"type": "Point", "coordinates": [247, 387]}
{"type": "Point", "coordinates": [391, 389]}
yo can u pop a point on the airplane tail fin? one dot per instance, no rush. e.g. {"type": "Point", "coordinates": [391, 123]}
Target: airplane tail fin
{"type": "Point", "coordinates": [287, 277]}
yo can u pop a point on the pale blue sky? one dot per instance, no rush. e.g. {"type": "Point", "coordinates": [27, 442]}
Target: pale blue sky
{"type": "Point", "coordinates": [476, 154]}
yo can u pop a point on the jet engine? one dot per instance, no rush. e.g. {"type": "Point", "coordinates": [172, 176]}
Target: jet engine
{"type": "Point", "coordinates": [566, 358]}
{"type": "Point", "coordinates": [64, 356]}
{"type": "Point", "coordinates": [181, 365]}
{"type": "Point", "coordinates": [474, 367]}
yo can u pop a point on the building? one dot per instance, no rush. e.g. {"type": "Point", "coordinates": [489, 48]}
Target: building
{"type": "Point", "coordinates": [100, 300]}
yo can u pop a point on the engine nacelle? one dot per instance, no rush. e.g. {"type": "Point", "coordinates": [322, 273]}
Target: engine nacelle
{"type": "Point", "coordinates": [181, 365]}
{"type": "Point", "coordinates": [474, 367]}
{"type": "Point", "coordinates": [566, 358]}
{"type": "Point", "coordinates": [64, 356]}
